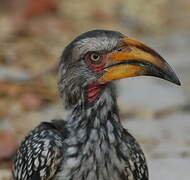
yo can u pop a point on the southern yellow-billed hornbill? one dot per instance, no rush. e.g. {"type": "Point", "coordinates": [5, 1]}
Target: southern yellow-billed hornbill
{"type": "Point", "coordinates": [91, 144]}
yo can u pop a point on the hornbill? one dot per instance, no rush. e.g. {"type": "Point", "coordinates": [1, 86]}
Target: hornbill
{"type": "Point", "coordinates": [91, 143]}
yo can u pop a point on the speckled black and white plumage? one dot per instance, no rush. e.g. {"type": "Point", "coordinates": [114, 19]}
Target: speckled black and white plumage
{"type": "Point", "coordinates": [41, 152]}
{"type": "Point", "coordinates": [91, 144]}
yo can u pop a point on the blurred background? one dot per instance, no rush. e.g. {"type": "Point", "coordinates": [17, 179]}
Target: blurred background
{"type": "Point", "coordinates": [33, 34]}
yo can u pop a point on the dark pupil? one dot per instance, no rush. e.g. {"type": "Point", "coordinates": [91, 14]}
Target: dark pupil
{"type": "Point", "coordinates": [95, 56]}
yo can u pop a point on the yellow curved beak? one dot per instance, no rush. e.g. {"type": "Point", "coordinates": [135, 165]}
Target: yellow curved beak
{"type": "Point", "coordinates": [137, 59]}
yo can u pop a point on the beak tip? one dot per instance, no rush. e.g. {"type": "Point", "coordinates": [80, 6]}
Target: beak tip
{"type": "Point", "coordinates": [178, 82]}
{"type": "Point", "coordinates": [174, 79]}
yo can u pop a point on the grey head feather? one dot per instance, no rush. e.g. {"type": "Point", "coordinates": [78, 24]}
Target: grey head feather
{"type": "Point", "coordinates": [74, 73]}
{"type": "Point", "coordinates": [95, 40]}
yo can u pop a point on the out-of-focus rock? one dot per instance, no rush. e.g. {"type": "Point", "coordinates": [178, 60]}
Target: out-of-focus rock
{"type": "Point", "coordinates": [31, 101]}
{"type": "Point", "coordinates": [32, 8]}
{"type": "Point", "coordinates": [10, 74]}
{"type": "Point", "coordinates": [7, 144]}
{"type": "Point", "coordinates": [156, 16]}
{"type": "Point", "coordinates": [5, 174]}
{"type": "Point", "coordinates": [169, 168]}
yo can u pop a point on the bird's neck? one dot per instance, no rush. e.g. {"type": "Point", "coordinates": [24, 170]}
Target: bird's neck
{"type": "Point", "coordinates": [94, 137]}
{"type": "Point", "coordinates": [99, 115]}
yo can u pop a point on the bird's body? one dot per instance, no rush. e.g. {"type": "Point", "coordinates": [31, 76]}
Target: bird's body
{"type": "Point", "coordinates": [91, 144]}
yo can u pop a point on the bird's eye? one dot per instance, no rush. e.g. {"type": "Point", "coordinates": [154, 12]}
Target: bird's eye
{"type": "Point", "coordinates": [95, 57]}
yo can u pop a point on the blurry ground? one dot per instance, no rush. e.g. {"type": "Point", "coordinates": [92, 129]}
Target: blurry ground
{"type": "Point", "coordinates": [32, 36]}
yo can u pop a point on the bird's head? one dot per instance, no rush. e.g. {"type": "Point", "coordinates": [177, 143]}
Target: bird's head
{"type": "Point", "coordinates": [96, 58]}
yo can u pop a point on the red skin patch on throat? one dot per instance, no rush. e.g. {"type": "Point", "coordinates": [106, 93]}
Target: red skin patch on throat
{"type": "Point", "coordinates": [93, 91]}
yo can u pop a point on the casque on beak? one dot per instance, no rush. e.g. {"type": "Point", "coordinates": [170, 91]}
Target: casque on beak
{"type": "Point", "coordinates": [137, 59]}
